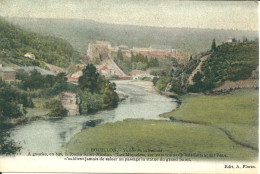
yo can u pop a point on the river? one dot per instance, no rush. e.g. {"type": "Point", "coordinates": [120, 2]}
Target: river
{"type": "Point", "coordinates": [50, 135]}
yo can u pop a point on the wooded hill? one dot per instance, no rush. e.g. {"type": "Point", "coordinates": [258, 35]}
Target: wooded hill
{"type": "Point", "coordinates": [15, 43]}
{"type": "Point", "coordinates": [229, 61]}
{"type": "Point", "coordinates": [81, 32]}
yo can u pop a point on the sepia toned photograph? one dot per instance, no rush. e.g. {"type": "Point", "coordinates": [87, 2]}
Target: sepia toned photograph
{"type": "Point", "coordinates": [129, 86]}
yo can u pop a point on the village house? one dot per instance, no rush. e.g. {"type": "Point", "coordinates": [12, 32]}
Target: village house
{"type": "Point", "coordinates": [74, 77]}
{"type": "Point", "coordinates": [7, 74]}
{"type": "Point", "coordinates": [106, 71]}
{"type": "Point", "coordinates": [30, 56]}
{"type": "Point", "coordinates": [74, 80]}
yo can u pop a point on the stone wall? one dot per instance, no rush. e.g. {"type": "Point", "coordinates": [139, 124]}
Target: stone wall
{"type": "Point", "coordinates": [99, 51]}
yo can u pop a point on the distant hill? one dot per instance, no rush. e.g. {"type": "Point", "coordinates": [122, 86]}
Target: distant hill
{"type": "Point", "coordinates": [81, 32]}
{"type": "Point", "coordinates": [16, 42]}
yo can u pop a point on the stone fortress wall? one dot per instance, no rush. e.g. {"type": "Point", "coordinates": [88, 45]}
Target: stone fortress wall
{"type": "Point", "coordinates": [102, 50]}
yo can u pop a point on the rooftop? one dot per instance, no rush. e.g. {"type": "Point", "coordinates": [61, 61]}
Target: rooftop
{"type": "Point", "coordinates": [104, 68]}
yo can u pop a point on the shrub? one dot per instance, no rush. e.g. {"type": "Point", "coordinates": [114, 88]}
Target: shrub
{"type": "Point", "coordinates": [56, 108]}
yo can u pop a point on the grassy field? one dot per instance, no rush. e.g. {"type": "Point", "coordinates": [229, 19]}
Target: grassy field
{"type": "Point", "coordinates": [237, 112]}
{"type": "Point", "coordinates": [33, 112]}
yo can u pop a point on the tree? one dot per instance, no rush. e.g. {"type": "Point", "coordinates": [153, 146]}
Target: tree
{"type": "Point", "coordinates": [197, 77]}
{"type": "Point", "coordinates": [119, 55]}
{"type": "Point", "coordinates": [234, 40]}
{"type": "Point", "coordinates": [146, 61]}
{"type": "Point", "coordinates": [89, 79]}
{"type": "Point", "coordinates": [176, 86]}
{"type": "Point", "coordinates": [245, 39]}
{"type": "Point", "coordinates": [56, 108]}
{"type": "Point", "coordinates": [213, 45]}
{"type": "Point", "coordinates": [153, 62]}
{"type": "Point", "coordinates": [9, 103]}
{"type": "Point", "coordinates": [110, 96]}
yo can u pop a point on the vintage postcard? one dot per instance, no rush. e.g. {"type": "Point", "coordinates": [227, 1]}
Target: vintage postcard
{"type": "Point", "coordinates": [129, 86]}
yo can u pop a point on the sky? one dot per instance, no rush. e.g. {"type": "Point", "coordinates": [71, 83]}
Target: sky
{"type": "Point", "coordinates": [236, 15]}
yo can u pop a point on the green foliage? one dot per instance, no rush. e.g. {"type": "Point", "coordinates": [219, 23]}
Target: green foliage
{"type": "Point", "coordinates": [140, 62]}
{"type": "Point", "coordinates": [139, 66]}
{"type": "Point", "coordinates": [119, 55]}
{"type": "Point", "coordinates": [158, 72]}
{"type": "Point", "coordinates": [155, 80]}
{"type": "Point", "coordinates": [96, 92]}
{"type": "Point", "coordinates": [56, 108]}
{"type": "Point", "coordinates": [90, 102]}
{"type": "Point", "coordinates": [197, 77]}
{"type": "Point", "coordinates": [213, 45]}
{"type": "Point", "coordinates": [162, 83]}
{"type": "Point", "coordinates": [126, 66]}
{"type": "Point", "coordinates": [35, 80]}
{"type": "Point", "coordinates": [38, 85]}
{"type": "Point", "coordinates": [173, 77]}
{"type": "Point", "coordinates": [15, 43]}
{"type": "Point", "coordinates": [7, 146]}
{"type": "Point", "coordinates": [110, 96]}
{"type": "Point", "coordinates": [89, 79]}
{"type": "Point", "coordinates": [26, 100]}
{"type": "Point", "coordinates": [234, 61]}
{"type": "Point", "coordinates": [153, 62]}
{"type": "Point", "coordinates": [176, 86]}
{"type": "Point", "coordinates": [11, 100]}
{"type": "Point", "coordinates": [191, 65]}
{"type": "Point", "coordinates": [139, 58]}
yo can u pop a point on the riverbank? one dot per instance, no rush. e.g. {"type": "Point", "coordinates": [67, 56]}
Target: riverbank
{"type": "Point", "coordinates": [224, 124]}
{"type": "Point", "coordinates": [32, 115]}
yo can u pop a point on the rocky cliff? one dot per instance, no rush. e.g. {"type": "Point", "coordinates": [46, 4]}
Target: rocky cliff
{"type": "Point", "coordinates": [69, 102]}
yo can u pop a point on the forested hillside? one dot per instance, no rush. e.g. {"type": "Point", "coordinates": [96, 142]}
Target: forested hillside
{"type": "Point", "coordinates": [226, 62]}
{"type": "Point", "coordinates": [81, 32]}
{"type": "Point", "coordinates": [229, 61]}
{"type": "Point", "coordinates": [15, 43]}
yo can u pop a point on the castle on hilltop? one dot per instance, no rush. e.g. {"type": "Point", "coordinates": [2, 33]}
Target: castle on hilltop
{"type": "Point", "coordinates": [102, 50]}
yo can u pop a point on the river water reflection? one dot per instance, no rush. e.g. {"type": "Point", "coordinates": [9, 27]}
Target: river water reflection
{"type": "Point", "coordinates": [52, 134]}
